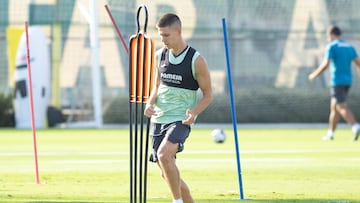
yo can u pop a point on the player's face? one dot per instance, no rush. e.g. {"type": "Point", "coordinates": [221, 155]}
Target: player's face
{"type": "Point", "coordinates": [168, 35]}
{"type": "Point", "coordinates": [329, 37]}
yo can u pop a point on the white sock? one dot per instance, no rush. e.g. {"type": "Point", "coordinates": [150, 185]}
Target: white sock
{"type": "Point", "coordinates": [355, 127]}
{"type": "Point", "coordinates": [330, 133]}
{"type": "Point", "coordinates": [178, 201]}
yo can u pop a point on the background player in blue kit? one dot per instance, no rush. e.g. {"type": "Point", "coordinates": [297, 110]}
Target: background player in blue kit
{"type": "Point", "coordinates": [339, 55]}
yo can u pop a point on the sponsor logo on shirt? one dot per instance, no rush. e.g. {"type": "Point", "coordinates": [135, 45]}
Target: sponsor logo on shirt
{"type": "Point", "coordinates": [172, 78]}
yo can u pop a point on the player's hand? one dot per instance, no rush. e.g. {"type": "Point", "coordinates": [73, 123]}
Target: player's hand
{"type": "Point", "coordinates": [149, 110]}
{"type": "Point", "coordinates": [312, 76]}
{"type": "Point", "coordinates": [190, 118]}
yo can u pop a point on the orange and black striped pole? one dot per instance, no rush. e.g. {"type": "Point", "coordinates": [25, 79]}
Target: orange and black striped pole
{"type": "Point", "coordinates": [141, 73]}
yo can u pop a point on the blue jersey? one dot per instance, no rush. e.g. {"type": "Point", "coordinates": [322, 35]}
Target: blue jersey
{"type": "Point", "coordinates": [341, 55]}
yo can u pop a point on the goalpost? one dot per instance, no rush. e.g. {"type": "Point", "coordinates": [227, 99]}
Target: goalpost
{"type": "Point", "coordinates": [91, 17]}
{"type": "Point", "coordinates": [94, 41]}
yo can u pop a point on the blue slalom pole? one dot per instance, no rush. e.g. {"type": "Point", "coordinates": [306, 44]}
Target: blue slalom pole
{"type": "Point", "coordinates": [233, 111]}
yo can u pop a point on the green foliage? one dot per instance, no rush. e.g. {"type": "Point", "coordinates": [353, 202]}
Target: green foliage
{"type": "Point", "coordinates": [6, 111]}
{"type": "Point", "coordinates": [256, 106]}
{"type": "Point", "coordinates": [117, 111]}
{"type": "Point", "coordinates": [270, 106]}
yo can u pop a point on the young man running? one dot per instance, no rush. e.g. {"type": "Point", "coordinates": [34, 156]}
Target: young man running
{"type": "Point", "coordinates": [173, 105]}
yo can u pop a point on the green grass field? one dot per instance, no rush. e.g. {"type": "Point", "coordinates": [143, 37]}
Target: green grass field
{"type": "Point", "coordinates": [278, 165]}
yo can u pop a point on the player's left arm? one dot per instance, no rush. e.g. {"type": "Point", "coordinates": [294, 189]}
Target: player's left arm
{"type": "Point", "coordinates": [204, 81]}
{"type": "Point", "coordinates": [357, 62]}
{"type": "Point", "coordinates": [321, 68]}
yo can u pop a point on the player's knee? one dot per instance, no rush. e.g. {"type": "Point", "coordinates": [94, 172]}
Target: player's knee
{"type": "Point", "coordinates": [162, 157]}
{"type": "Point", "coordinates": [342, 109]}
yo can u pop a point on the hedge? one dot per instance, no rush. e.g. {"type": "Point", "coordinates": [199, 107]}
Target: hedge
{"type": "Point", "coordinates": [6, 111]}
{"type": "Point", "coordinates": [256, 106]}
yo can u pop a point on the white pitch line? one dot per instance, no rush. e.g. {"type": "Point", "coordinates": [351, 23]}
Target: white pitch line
{"type": "Point", "coordinates": [98, 161]}
{"type": "Point", "coordinates": [212, 160]}
{"type": "Point", "coordinates": [272, 151]}
{"type": "Point", "coordinates": [262, 160]}
{"type": "Point", "coordinates": [5, 154]}
{"type": "Point", "coordinates": [121, 164]}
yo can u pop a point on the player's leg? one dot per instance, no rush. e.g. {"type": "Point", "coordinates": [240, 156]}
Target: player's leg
{"type": "Point", "coordinates": [348, 116]}
{"type": "Point", "coordinates": [185, 193]}
{"type": "Point", "coordinates": [176, 134]}
{"type": "Point", "coordinates": [166, 160]}
{"type": "Point", "coordinates": [344, 111]}
{"type": "Point", "coordinates": [167, 140]}
{"type": "Point", "coordinates": [340, 95]}
{"type": "Point", "coordinates": [333, 120]}
{"type": "Point", "coordinates": [163, 153]}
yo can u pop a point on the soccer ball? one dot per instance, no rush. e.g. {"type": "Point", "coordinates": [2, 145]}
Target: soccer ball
{"type": "Point", "coordinates": [218, 135]}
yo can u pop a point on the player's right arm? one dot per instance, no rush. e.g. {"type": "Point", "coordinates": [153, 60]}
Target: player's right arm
{"type": "Point", "coordinates": [149, 109]}
{"type": "Point", "coordinates": [322, 67]}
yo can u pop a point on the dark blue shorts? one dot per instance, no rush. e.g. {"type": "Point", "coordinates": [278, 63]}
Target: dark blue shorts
{"type": "Point", "coordinates": [339, 93]}
{"type": "Point", "coordinates": [175, 133]}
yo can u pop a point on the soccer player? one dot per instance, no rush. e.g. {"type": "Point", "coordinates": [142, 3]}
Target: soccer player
{"type": "Point", "coordinates": [173, 105]}
{"type": "Point", "coordinates": [339, 55]}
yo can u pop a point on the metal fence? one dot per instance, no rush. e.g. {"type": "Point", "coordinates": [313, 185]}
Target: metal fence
{"type": "Point", "coordinates": [273, 43]}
